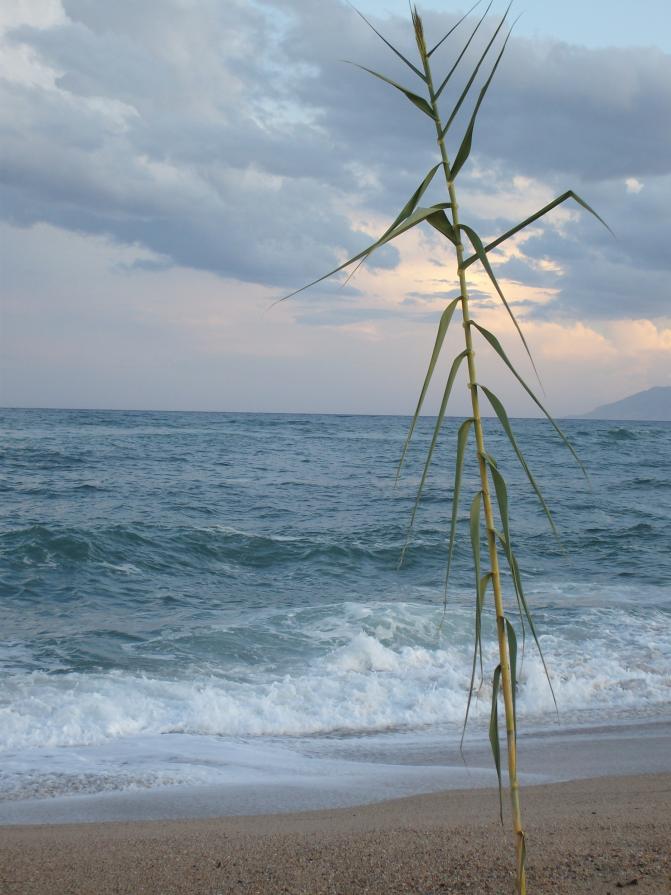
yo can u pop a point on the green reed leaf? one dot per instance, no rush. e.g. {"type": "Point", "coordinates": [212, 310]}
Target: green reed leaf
{"type": "Point", "coordinates": [465, 48]}
{"type": "Point", "coordinates": [477, 649]}
{"type": "Point", "coordinates": [494, 732]}
{"type": "Point", "coordinates": [500, 411]}
{"type": "Point", "coordinates": [476, 242]}
{"type": "Point", "coordinates": [441, 223]}
{"type": "Point", "coordinates": [569, 194]}
{"type": "Point", "coordinates": [502, 500]}
{"type": "Point", "coordinates": [419, 215]}
{"type": "Point", "coordinates": [414, 98]}
{"type": "Point", "coordinates": [467, 88]}
{"type": "Point", "coordinates": [454, 28]}
{"type": "Point", "coordinates": [454, 369]}
{"type": "Point", "coordinates": [465, 148]}
{"type": "Point", "coordinates": [475, 536]}
{"type": "Point", "coordinates": [462, 442]}
{"type": "Point", "coordinates": [476, 508]}
{"type": "Point", "coordinates": [512, 655]}
{"type": "Point", "coordinates": [443, 326]}
{"type": "Point", "coordinates": [496, 345]}
{"type": "Point", "coordinates": [413, 201]}
{"type": "Point", "coordinates": [517, 581]}
{"type": "Point", "coordinates": [391, 46]}
{"type": "Point", "coordinates": [405, 212]}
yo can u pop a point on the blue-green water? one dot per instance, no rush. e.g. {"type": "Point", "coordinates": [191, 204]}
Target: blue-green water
{"type": "Point", "coordinates": [235, 576]}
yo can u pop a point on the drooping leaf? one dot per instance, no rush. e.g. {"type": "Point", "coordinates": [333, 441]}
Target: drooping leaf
{"type": "Point", "coordinates": [442, 225]}
{"type": "Point", "coordinates": [391, 47]}
{"type": "Point", "coordinates": [504, 537]}
{"type": "Point", "coordinates": [494, 732]}
{"type": "Point", "coordinates": [465, 48]}
{"type": "Point", "coordinates": [413, 201]}
{"type": "Point", "coordinates": [476, 242]}
{"type": "Point", "coordinates": [454, 28]}
{"type": "Point", "coordinates": [517, 581]}
{"type": "Point", "coordinates": [443, 325]}
{"type": "Point", "coordinates": [454, 369]}
{"type": "Point", "coordinates": [500, 411]}
{"type": "Point", "coordinates": [477, 650]}
{"type": "Point", "coordinates": [464, 94]}
{"type": "Point", "coordinates": [414, 98]}
{"type": "Point", "coordinates": [475, 536]}
{"type": "Point", "coordinates": [480, 587]}
{"type": "Point", "coordinates": [405, 212]}
{"type": "Point", "coordinates": [419, 215]}
{"type": "Point", "coordinates": [462, 441]}
{"type": "Point", "coordinates": [569, 194]}
{"type": "Point", "coordinates": [512, 656]}
{"type": "Point", "coordinates": [496, 345]}
{"type": "Point", "coordinates": [465, 148]}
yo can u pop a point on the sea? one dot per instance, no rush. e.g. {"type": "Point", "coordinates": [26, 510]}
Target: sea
{"type": "Point", "coordinates": [208, 610]}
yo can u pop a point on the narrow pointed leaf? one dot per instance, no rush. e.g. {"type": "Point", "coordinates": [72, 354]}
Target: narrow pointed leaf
{"type": "Point", "coordinates": [461, 55]}
{"type": "Point", "coordinates": [476, 507]}
{"type": "Point", "coordinates": [443, 325]}
{"type": "Point", "coordinates": [405, 212]}
{"type": "Point", "coordinates": [413, 201]}
{"type": "Point", "coordinates": [439, 422]}
{"type": "Point", "coordinates": [442, 225]}
{"type": "Point", "coordinates": [454, 28]}
{"type": "Point", "coordinates": [569, 194]}
{"type": "Point", "coordinates": [504, 537]}
{"type": "Point", "coordinates": [500, 411]}
{"type": "Point", "coordinates": [517, 576]}
{"type": "Point", "coordinates": [419, 215]}
{"type": "Point", "coordinates": [464, 94]}
{"type": "Point", "coordinates": [496, 345]}
{"type": "Point", "coordinates": [391, 46]}
{"type": "Point", "coordinates": [512, 655]}
{"type": "Point", "coordinates": [462, 441]}
{"type": "Point", "coordinates": [476, 242]}
{"type": "Point", "coordinates": [414, 98]}
{"type": "Point", "coordinates": [517, 581]}
{"type": "Point", "coordinates": [477, 650]}
{"type": "Point", "coordinates": [475, 535]}
{"type": "Point", "coordinates": [466, 143]}
{"type": "Point", "coordinates": [494, 732]}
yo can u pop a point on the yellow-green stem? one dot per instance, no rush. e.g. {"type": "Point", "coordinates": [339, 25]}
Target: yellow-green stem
{"type": "Point", "coordinates": [506, 677]}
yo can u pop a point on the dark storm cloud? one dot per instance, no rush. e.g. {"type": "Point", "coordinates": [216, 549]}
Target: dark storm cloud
{"type": "Point", "coordinates": [232, 137]}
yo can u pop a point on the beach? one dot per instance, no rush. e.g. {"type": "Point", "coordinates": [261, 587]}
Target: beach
{"type": "Point", "coordinates": [600, 836]}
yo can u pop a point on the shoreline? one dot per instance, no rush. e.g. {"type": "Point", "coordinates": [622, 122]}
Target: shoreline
{"type": "Point", "coordinates": [258, 778]}
{"type": "Point", "coordinates": [595, 835]}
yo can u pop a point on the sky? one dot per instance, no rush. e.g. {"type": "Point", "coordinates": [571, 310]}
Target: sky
{"type": "Point", "coordinates": [168, 170]}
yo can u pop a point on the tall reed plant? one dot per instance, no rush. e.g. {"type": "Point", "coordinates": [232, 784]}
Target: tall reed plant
{"type": "Point", "coordinates": [489, 505]}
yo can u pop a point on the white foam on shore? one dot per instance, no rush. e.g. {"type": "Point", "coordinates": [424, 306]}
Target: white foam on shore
{"type": "Point", "coordinates": [369, 683]}
{"type": "Point", "coordinates": [379, 669]}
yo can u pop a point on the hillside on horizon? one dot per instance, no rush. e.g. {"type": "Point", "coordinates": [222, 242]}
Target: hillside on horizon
{"type": "Point", "coordinates": [650, 404]}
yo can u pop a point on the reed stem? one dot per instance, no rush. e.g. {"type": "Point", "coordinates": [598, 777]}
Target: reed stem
{"type": "Point", "coordinates": [506, 676]}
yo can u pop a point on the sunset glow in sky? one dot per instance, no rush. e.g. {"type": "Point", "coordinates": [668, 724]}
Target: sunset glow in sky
{"type": "Point", "coordinates": [169, 169]}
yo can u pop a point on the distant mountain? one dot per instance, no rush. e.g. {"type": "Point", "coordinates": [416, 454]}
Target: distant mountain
{"type": "Point", "coordinates": [652, 404]}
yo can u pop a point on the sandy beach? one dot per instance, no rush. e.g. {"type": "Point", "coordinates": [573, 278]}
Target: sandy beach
{"type": "Point", "coordinates": [600, 836]}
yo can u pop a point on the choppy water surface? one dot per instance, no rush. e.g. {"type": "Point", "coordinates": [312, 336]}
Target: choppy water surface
{"type": "Point", "coordinates": [179, 577]}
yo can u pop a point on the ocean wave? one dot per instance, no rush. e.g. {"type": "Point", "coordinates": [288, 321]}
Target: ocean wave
{"type": "Point", "coordinates": [374, 679]}
{"type": "Point", "coordinates": [190, 546]}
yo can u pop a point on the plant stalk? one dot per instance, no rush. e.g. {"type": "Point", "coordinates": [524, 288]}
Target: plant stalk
{"type": "Point", "coordinates": [506, 676]}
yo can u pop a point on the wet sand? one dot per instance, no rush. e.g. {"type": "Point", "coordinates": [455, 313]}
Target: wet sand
{"type": "Point", "coordinates": [600, 836]}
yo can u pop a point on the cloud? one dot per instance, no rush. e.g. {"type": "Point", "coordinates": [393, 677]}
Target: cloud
{"type": "Point", "coordinates": [227, 148]}
{"type": "Point", "coordinates": [232, 137]}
